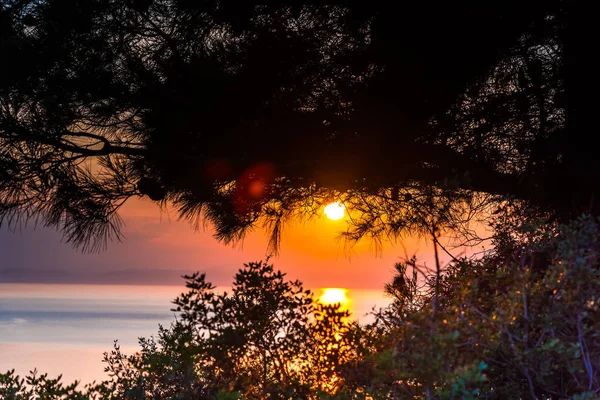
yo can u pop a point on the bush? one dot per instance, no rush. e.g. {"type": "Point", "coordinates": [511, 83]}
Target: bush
{"type": "Point", "coordinates": [521, 322]}
{"type": "Point", "coordinates": [267, 338]}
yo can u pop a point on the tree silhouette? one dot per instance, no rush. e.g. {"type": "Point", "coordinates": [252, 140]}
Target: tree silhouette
{"type": "Point", "coordinates": [244, 113]}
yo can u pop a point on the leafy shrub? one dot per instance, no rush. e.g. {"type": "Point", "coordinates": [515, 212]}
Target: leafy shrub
{"type": "Point", "coordinates": [521, 322]}
{"type": "Point", "coordinates": [267, 338]}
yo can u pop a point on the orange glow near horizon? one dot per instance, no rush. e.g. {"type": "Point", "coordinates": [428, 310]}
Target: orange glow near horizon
{"type": "Point", "coordinates": [310, 250]}
{"type": "Point", "coordinates": [335, 211]}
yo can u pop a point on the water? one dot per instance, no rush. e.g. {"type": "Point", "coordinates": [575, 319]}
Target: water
{"type": "Point", "coordinates": [64, 329]}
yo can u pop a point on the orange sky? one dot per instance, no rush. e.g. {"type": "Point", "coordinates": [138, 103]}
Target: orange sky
{"type": "Point", "coordinates": [309, 250]}
{"type": "Point", "coordinates": [156, 243]}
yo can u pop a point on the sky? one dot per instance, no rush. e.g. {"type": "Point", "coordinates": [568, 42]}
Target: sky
{"type": "Point", "coordinates": [158, 249]}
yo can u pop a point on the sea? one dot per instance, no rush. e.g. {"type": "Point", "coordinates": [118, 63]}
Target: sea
{"type": "Point", "coordinates": [64, 329]}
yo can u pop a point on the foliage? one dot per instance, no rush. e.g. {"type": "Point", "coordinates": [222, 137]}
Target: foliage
{"type": "Point", "coordinates": [521, 322]}
{"type": "Point", "coordinates": [252, 113]}
{"type": "Point", "coordinates": [268, 338]}
{"type": "Point", "coordinates": [36, 386]}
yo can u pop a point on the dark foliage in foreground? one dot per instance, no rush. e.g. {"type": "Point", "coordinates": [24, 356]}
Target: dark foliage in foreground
{"type": "Point", "coordinates": [266, 338]}
{"type": "Point", "coordinates": [252, 113]}
{"type": "Point", "coordinates": [522, 322]}
{"type": "Point", "coordinates": [519, 323]}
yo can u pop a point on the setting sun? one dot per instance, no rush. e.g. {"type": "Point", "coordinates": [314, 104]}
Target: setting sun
{"type": "Point", "coordinates": [334, 296]}
{"type": "Point", "coordinates": [335, 211]}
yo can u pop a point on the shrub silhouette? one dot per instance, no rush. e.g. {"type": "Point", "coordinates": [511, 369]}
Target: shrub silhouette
{"type": "Point", "coordinates": [520, 322]}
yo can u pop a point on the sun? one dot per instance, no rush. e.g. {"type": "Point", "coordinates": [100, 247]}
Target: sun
{"type": "Point", "coordinates": [335, 211]}
{"type": "Point", "coordinates": [334, 296]}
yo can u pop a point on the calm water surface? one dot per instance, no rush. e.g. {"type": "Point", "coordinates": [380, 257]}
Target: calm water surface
{"type": "Point", "coordinates": [66, 328]}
